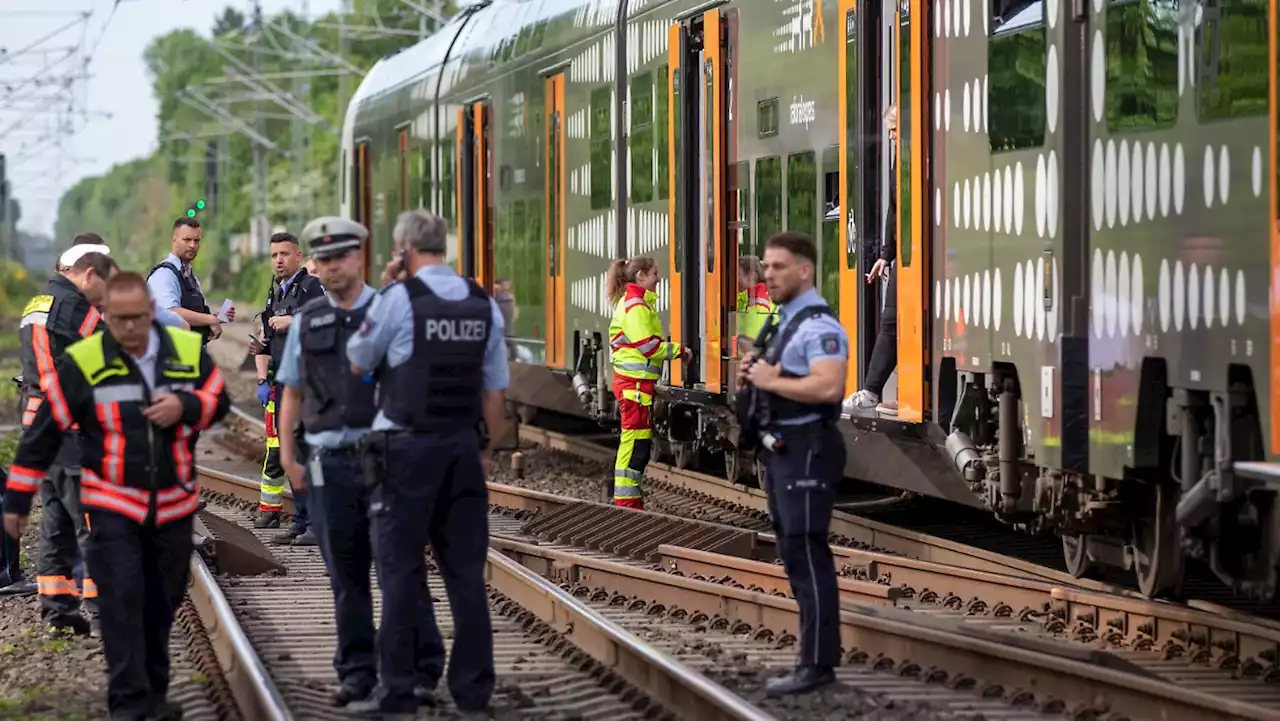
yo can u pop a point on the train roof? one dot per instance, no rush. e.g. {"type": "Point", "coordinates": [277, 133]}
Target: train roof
{"type": "Point", "coordinates": [491, 27]}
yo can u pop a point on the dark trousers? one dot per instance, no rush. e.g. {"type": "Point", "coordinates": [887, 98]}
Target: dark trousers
{"type": "Point", "coordinates": [801, 486]}
{"type": "Point", "coordinates": [10, 554]}
{"type": "Point", "coordinates": [433, 490]}
{"type": "Point", "coordinates": [142, 577]}
{"type": "Point", "coordinates": [884, 354]}
{"type": "Point", "coordinates": [341, 523]}
{"type": "Point", "coordinates": [63, 535]}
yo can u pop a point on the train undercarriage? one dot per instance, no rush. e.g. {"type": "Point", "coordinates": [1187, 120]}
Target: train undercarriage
{"type": "Point", "coordinates": [1191, 493]}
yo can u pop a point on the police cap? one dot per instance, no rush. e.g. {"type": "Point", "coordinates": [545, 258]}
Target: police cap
{"type": "Point", "coordinates": [333, 235]}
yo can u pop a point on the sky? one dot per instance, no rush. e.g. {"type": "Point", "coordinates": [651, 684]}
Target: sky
{"type": "Point", "coordinates": [115, 110]}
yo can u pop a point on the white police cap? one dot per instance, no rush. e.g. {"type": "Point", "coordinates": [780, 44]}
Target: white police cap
{"type": "Point", "coordinates": [333, 235]}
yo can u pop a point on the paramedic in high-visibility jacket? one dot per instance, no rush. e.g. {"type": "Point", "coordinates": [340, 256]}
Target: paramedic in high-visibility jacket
{"type": "Point", "coordinates": [637, 351]}
{"type": "Point", "coordinates": [754, 305]}
{"type": "Point", "coordinates": [141, 393]}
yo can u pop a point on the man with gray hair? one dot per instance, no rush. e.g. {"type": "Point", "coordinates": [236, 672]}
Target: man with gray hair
{"type": "Point", "coordinates": [441, 339]}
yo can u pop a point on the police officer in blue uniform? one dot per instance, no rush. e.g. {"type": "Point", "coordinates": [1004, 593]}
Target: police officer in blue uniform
{"type": "Point", "coordinates": [802, 377]}
{"type": "Point", "coordinates": [439, 341]}
{"type": "Point", "coordinates": [337, 409]}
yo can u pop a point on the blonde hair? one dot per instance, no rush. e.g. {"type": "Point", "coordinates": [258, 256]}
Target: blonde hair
{"type": "Point", "coordinates": [751, 266]}
{"type": "Point", "coordinates": [622, 272]}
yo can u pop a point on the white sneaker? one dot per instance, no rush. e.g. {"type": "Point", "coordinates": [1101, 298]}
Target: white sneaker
{"type": "Point", "coordinates": [860, 401]}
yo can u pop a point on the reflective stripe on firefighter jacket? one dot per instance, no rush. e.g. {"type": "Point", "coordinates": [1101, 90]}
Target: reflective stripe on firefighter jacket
{"type": "Point", "coordinates": [754, 309]}
{"type": "Point", "coordinates": [636, 348]}
{"type": "Point", "coordinates": [51, 322]}
{"type": "Point", "coordinates": [129, 466]}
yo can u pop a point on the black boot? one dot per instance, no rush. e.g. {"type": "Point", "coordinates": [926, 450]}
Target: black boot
{"type": "Point", "coordinates": [267, 519]}
{"type": "Point", "coordinates": [802, 680]}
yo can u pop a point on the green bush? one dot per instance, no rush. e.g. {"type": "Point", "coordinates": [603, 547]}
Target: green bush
{"type": "Point", "coordinates": [18, 287]}
{"type": "Point", "coordinates": [9, 447]}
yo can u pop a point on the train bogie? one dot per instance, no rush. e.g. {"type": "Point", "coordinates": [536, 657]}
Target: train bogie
{"type": "Point", "coordinates": [1086, 223]}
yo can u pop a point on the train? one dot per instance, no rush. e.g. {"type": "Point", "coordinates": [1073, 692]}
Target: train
{"type": "Point", "coordinates": [1083, 347]}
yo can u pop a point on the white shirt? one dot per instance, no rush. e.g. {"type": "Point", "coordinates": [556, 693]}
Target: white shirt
{"type": "Point", "coordinates": [147, 362]}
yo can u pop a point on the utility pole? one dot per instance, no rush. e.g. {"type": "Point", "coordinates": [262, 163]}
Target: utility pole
{"type": "Point", "coordinates": [301, 91]}
{"type": "Point", "coordinates": [344, 49]}
{"type": "Point", "coordinates": [259, 225]}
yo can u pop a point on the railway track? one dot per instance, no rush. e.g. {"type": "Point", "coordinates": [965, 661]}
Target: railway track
{"type": "Point", "coordinates": [1025, 647]}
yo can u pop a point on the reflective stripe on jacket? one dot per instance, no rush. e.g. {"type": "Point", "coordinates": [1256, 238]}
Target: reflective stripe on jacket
{"type": "Point", "coordinates": [636, 348]}
{"type": "Point", "coordinates": [129, 465]}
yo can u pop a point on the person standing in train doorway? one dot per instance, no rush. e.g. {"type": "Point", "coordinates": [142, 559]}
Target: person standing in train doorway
{"type": "Point", "coordinates": [637, 351]}
{"type": "Point", "coordinates": [754, 306]}
{"type": "Point", "coordinates": [884, 354]}
{"type": "Point", "coordinates": [801, 374]}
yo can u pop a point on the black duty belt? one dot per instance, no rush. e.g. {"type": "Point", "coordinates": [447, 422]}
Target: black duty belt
{"type": "Point", "coordinates": [817, 425]}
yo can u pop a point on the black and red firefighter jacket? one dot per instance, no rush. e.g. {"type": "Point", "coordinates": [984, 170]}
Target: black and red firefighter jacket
{"type": "Point", "coordinates": [128, 465]}
{"type": "Point", "coordinates": [59, 316]}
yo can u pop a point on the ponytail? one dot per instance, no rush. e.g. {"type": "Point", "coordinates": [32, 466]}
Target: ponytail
{"type": "Point", "coordinates": [616, 281]}
{"type": "Point", "coordinates": [622, 272]}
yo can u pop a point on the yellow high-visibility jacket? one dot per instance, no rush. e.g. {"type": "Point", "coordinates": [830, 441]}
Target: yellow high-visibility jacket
{"type": "Point", "coordinates": [754, 309]}
{"type": "Point", "coordinates": [635, 336]}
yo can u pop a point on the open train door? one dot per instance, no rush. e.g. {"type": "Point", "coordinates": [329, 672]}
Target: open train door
{"type": "Point", "coordinates": [555, 229]}
{"type": "Point", "coordinates": [913, 268]}
{"type": "Point", "coordinates": [703, 262]}
{"type": "Point", "coordinates": [362, 194]}
{"type": "Point", "coordinates": [475, 218]}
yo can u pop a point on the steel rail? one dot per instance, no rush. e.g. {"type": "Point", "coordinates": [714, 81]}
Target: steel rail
{"type": "Point", "coordinates": [680, 689]}
{"type": "Point", "coordinates": [255, 693]}
{"type": "Point", "coordinates": [1052, 668]}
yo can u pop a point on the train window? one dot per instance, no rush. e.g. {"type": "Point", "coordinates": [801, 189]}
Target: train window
{"type": "Point", "coordinates": [1233, 58]}
{"type": "Point", "coordinates": [829, 252]}
{"type": "Point", "coordinates": [641, 138]}
{"type": "Point", "coordinates": [448, 182]}
{"type": "Point", "coordinates": [1142, 64]}
{"type": "Point", "coordinates": [802, 193]}
{"type": "Point", "coordinates": [426, 182]}
{"type": "Point", "coordinates": [662, 141]}
{"type": "Point", "coordinates": [601, 148]}
{"type": "Point", "coordinates": [768, 200]}
{"type": "Point", "coordinates": [767, 117]}
{"type": "Point", "coordinates": [1016, 60]}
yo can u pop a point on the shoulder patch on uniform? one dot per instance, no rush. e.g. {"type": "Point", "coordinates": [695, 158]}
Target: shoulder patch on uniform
{"type": "Point", "coordinates": [830, 343]}
{"type": "Point", "coordinates": [38, 304]}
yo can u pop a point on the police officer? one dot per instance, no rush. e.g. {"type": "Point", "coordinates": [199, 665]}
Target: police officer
{"type": "Point", "coordinates": [174, 284]}
{"type": "Point", "coordinates": [441, 339]}
{"type": "Point", "coordinates": [162, 389]}
{"type": "Point", "coordinates": [63, 313]}
{"type": "Point", "coordinates": [337, 409]}
{"type": "Point", "coordinates": [802, 374]}
{"type": "Point", "coordinates": [292, 288]}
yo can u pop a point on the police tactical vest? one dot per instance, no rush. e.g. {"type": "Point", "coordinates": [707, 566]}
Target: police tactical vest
{"type": "Point", "coordinates": [333, 397]}
{"type": "Point", "coordinates": [191, 298]}
{"type": "Point", "coordinates": [438, 388]}
{"type": "Point", "coordinates": [279, 304]}
{"type": "Point", "coordinates": [780, 408]}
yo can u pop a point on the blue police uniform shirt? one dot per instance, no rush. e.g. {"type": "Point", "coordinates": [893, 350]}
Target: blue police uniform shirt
{"type": "Point", "coordinates": [290, 375]}
{"type": "Point", "coordinates": [388, 331]}
{"type": "Point", "coordinates": [164, 316]}
{"type": "Point", "coordinates": [816, 339]}
{"type": "Point", "coordinates": [165, 287]}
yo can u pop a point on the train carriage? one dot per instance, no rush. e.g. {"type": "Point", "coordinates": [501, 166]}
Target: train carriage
{"type": "Point", "coordinates": [1087, 222]}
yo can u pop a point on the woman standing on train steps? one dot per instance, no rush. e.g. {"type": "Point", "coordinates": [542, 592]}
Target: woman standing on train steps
{"type": "Point", "coordinates": [636, 352]}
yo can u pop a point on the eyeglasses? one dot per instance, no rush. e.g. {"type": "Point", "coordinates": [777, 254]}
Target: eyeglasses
{"type": "Point", "coordinates": [129, 319]}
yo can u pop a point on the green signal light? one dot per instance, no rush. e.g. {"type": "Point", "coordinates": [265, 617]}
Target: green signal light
{"type": "Point", "coordinates": [191, 213]}
{"type": "Point", "coordinates": [199, 205]}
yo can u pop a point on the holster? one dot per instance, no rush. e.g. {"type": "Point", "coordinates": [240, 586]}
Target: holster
{"type": "Point", "coordinates": [373, 457]}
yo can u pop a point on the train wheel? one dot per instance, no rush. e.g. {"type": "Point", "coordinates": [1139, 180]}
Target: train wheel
{"type": "Point", "coordinates": [733, 465]}
{"type": "Point", "coordinates": [1157, 546]}
{"type": "Point", "coordinates": [1075, 553]}
{"type": "Point", "coordinates": [684, 454]}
